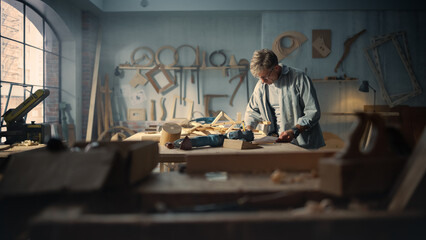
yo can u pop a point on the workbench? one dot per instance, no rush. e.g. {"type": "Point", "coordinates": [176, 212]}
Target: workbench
{"type": "Point", "coordinates": [6, 150]}
{"type": "Point", "coordinates": [179, 206]}
{"type": "Point", "coordinates": [176, 205]}
{"type": "Point", "coordinates": [178, 155]}
{"type": "Point", "coordinates": [266, 158]}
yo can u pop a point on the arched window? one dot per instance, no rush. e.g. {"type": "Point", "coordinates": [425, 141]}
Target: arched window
{"type": "Point", "coordinates": [30, 60]}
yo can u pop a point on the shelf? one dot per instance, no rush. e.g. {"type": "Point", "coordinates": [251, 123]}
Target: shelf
{"type": "Point", "coordinates": [135, 67]}
{"type": "Point", "coordinates": [384, 114]}
{"type": "Point", "coordinates": [333, 81]}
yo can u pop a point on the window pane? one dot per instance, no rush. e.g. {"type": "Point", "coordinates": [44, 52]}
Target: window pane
{"type": "Point", "coordinates": [12, 20]}
{"type": "Point", "coordinates": [33, 66]}
{"type": "Point", "coordinates": [33, 28]}
{"type": "Point", "coordinates": [50, 39]}
{"type": "Point", "coordinates": [51, 104]}
{"type": "Point", "coordinates": [51, 70]}
{"type": "Point", "coordinates": [16, 96]}
{"type": "Point", "coordinates": [12, 63]}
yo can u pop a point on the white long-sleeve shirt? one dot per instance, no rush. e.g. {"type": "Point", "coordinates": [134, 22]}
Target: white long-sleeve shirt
{"type": "Point", "coordinates": [289, 101]}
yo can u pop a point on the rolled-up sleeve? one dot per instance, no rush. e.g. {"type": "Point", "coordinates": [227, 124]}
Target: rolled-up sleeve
{"type": "Point", "coordinates": [309, 102]}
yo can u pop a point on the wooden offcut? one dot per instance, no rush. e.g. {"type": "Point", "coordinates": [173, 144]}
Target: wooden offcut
{"type": "Point", "coordinates": [170, 133]}
{"type": "Point", "coordinates": [238, 144]}
{"type": "Point", "coordinates": [411, 177]}
{"type": "Point", "coordinates": [138, 79]}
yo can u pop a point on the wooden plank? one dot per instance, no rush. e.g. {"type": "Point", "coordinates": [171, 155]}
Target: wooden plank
{"type": "Point", "coordinates": [109, 121]}
{"type": "Point", "coordinates": [94, 87]}
{"type": "Point", "coordinates": [143, 136]}
{"type": "Point", "coordinates": [410, 177]}
{"type": "Point", "coordinates": [99, 110]}
{"type": "Point", "coordinates": [177, 155]}
{"type": "Point", "coordinates": [248, 161]}
{"type": "Point", "coordinates": [238, 144]}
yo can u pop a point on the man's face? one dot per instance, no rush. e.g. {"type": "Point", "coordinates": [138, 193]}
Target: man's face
{"type": "Point", "coordinates": [268, 76]}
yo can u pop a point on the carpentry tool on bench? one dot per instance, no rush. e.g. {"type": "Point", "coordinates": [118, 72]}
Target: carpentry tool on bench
{"type": "Point", "coordinates": [17, 129]}
{"type": "Point", "coordinates": [353, 172]}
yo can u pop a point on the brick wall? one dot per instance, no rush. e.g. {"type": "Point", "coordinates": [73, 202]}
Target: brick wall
{"type": "Point", "coordinates": [51, 103]}
{"type": "Point", "coordinates": [90, 25]}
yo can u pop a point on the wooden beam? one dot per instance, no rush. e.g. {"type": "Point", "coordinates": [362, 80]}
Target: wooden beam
{"type": "Point", "coordinates": [411, 177]}
{"type": "Point", "coordinates": [94, 87]}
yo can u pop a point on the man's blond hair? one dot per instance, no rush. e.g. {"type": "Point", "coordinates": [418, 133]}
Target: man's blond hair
{"type": "Point", "coordinates": [263, 59]}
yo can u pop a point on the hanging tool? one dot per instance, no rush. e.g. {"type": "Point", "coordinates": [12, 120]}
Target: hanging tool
{"type": "Point", "coordinates": [180, 71]}
{"type": "Point", "coordinates": [246, 63]}
{"type": "Point", "coordinates": [347, 44]}
{"type": "Point", "coordinates": [242, 75]}
{"type": "Point", "coordinates": [197, 70]}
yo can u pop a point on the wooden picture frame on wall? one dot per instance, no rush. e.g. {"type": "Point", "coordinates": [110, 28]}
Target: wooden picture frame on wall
{"type": "Point", "coordinates": [151, 73]}
{"type": "Point", "coordinates": [399, 41]}
{"type": "Point", "coordinates": [136, 114]}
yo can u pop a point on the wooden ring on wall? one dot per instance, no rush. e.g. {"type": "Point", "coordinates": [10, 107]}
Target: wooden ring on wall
{"type": "Point", "coordinates": [157, 56]}
{"type": "Point", "coordinates": [214, 53]}
{"type": "Point", "coordinates": [135, 61]}
{"type": "Point", "coordinates": [195, 53]}
{"type": "Point", "coordinates": [297, 39]}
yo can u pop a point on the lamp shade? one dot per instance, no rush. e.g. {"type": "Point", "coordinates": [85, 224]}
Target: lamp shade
{"type": "Point", "coordinates": [364, 87]}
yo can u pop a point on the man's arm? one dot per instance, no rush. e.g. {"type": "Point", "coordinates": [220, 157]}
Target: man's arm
{"type": "Point", "coordinates": [311, 110]}
{"type": "Point", "coordinates": [252, 115]}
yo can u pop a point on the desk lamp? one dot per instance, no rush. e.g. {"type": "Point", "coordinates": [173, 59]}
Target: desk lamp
{"type": "Point", "coordinates": [365, 87]}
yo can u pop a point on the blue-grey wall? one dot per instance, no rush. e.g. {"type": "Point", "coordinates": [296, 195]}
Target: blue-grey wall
{"type": "Point", "coordinates": [343, 97]}
{"type": "Point", "coordinates": [239, 29]}
{"type": "Point", "coordinates": [235, 33]}
{"type": "Point", "coordinates": [240, 33]}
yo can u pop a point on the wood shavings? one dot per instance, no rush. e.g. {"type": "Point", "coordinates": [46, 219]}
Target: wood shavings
{"type": "Point", "coordinates": [26, 143]}
{"type": "Point", "coordinates": [278, 176]}
{"type": "Point", "coordinates": [314, 207]}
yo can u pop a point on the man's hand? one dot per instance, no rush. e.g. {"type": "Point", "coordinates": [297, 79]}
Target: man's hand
{"type": "Point", "coordinates": [286, 136]}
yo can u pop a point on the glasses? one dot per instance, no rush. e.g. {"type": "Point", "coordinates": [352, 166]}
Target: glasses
{"type": "Point", "coordinates": [267, 77]}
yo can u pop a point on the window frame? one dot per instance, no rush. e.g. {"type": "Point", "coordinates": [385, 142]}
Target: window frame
{"type": "Point", "coordinates": [25, 45]}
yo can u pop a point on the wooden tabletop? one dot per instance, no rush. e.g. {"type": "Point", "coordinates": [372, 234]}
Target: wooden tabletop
{"type": "Point", "coordinates": [6, 150]}
{"type": "Point", "coordinates": [178, 155]}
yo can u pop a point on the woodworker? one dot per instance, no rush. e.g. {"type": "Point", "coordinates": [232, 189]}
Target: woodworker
{"type": "Point", "coordinates": [287, 98]}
